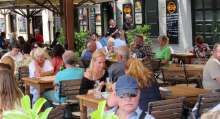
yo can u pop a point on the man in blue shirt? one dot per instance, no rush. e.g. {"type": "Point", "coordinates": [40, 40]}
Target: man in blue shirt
{"type": "Point", "coordinates": [70, 73]}
{"type": "Point", "coordinates": [118, 42]}
{"type": "Point", "coordinates": [86, 56]}
{"type": "Point", "coordinates": [127, 96]}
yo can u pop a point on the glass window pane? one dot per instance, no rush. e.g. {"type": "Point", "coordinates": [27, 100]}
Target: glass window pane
{"type": "Point", "coordinates": [198, 4]}
{"type": "Point", "coordinates": [208, 15]}
{"type": "Point", "coordinates": [218, 3]}
{"type": "Point", "coordinates": [208, 39]}
{"type": "Point", "coordinates": [198, 16]}
{"type": "Point", "coordinates": [218, 15]}
{"type": "Point", "coordinates": [154, 30]}
{"type": "Point", "coordinates": [208, 27]}
{"type": "Point", "coordinates": [199, 28]}
{"type": "Point", "coordinates": [151, 4]}
{"type": "Point", "coordinates": [208, 3]}
{"type": "Point", "coordinates": [218, 27]}
{"type": "Point", "coordinates": [152, 16]}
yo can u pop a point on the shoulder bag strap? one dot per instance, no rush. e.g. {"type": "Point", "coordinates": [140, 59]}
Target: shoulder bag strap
{"type": "Point", "coordinates": [142, 116]}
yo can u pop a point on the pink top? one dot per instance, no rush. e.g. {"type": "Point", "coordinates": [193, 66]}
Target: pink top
{"type": "Point", "coordinates": [57, 63]}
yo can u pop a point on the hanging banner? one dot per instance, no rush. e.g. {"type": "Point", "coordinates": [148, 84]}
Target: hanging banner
{"type": "Point", "coordinates": [172, 18]}
{"type": "Point", "coordinates": [138, 12]}
{"type": "Point", "coordinates": [127, 16]}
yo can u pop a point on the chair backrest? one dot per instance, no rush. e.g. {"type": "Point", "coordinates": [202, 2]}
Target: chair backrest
{"type": "Point", "coordinates": [23, 72]}
{"type": "Point", "coordinates": [166, 109]}
{"type": "Point", "coordinates": [69, 88]}
{"type": "Point", "coordinates": [207, 101]}
{"type": "Point", "coordinates": [155, 64]}
{"type": "Point", "coordinates": [57, 112]}
{"type": "Point", "coordinates": [179, 74]}
{"type": "Point", "coordinates": [199, 60]}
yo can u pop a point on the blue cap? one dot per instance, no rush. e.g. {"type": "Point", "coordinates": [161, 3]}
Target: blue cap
{"type": "Point", "coordinates": [126, 85]}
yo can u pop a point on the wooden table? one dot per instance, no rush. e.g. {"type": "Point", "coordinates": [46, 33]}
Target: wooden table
{"type": "Point", "coordinates": [192, 69]}
{"type": "Point", "coordinates": [89, 101]}
{"type": "Point", "coordinates": [186, 57]}
{"type": "Point", "coordinates": [40, 83]}
{"type": "Point", "coordinates": [190, 93]}
{"type": "Point", "coordinates": [85, 102]}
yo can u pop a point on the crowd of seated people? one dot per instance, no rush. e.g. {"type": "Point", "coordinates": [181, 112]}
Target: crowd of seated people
{"type": "Point", "coordinates": [133, 83]}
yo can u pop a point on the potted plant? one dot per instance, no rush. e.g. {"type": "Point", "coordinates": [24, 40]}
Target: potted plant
{"type": "Point", "coordinates": [100, 112]}
{"type": "Point", "coordinates": [139, 30]}
{"type": "Point", "coordinates": [61, 38]}
{"type": "Point", "coordinates": [27, 112]}
{"type": "Point", "coordinates": [80, 41]}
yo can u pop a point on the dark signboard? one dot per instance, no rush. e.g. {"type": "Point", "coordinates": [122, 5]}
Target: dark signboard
{"type": "Point", "coordinates": [128, 12]}
{"type": "Point", "coordinates": [172, 18]}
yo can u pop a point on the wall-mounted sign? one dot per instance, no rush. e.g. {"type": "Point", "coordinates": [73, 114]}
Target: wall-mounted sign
{"type": "Point", "coordinates": [138, 18]}
{"type": "Point", "coordinates": [138, 7]}
{"type": "Point", "coordinates": [172, 18]}
{"type": "Point", "coordinates": [138, 12]}
{"type": "Point", "coordinates": [127, 16]}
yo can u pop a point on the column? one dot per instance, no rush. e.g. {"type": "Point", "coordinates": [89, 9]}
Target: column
{"type": "Point", "coordinates": [69, 22]}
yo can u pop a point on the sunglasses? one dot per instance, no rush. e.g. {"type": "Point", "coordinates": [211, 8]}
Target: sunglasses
{"type": "Point", "coordinates": [127, 95]}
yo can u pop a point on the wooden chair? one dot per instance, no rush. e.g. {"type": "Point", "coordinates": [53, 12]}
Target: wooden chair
{"type": "Point", "coordinates": [155, 67]}
{"type": "Point", "coordinates": [57, 113]}
{"type": "Point", "coordinates": [166, 109]}
{"type": "Point", "coordinates": [22, 72]}
{"type": "Point", "coordinates": [199, 60]}
{"type": "Point", "coordinates": [69, 89]}
{"type": "Point", "coordinates": [207, 101]}
{"type": "Point", "coordinates": [180, 76]}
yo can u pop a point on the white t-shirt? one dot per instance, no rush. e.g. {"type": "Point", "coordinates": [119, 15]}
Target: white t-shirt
{"type": "Point", "coordinates": [211, 71]}
{"type": "Point", "coordinates": [46, 67]}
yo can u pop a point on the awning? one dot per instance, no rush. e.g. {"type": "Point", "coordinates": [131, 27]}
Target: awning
{"type": "Point", "coordinates": [20, 3]}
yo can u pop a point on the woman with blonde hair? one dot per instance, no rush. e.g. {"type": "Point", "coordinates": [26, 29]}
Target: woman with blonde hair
{"type": "Point", "coordinates": [10, 94]}
{"type": "Point", "coordinates": [146, 83]}
{"type": "Point", "coordinates": [96, 73]}
{"type": "Point", "coordinates": [40, 66]}
{"type": "Point", "coordinates": [10, 61]}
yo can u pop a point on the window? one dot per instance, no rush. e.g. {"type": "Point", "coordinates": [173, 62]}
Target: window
{"type": "Point", "coordinates": [206, 19]}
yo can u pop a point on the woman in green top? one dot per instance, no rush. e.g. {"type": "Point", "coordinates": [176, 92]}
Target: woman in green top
{"type": "Point", "coordinates": [163, 53]}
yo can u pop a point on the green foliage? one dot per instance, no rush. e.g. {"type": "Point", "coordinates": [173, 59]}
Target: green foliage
{"type": "Point", "coordinates": [139, 30]}
{"type": "Point", "coordinates": [62, 38]}
{"type": "Point", "coordinates": [100, 112]}
{"type": "Point", "coordinates": [80, 41]}
{"type": "Point", "coordinates": [27, 112]}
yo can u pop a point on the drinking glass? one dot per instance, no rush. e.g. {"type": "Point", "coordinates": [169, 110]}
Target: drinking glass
{"type": "Point", "coordinates": [108, 84]}
{"type": "Point", "coordinates": [97, 92]}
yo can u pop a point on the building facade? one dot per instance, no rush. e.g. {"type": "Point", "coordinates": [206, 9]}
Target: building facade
{"type": "Point", "coordinates": [181, 20]}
